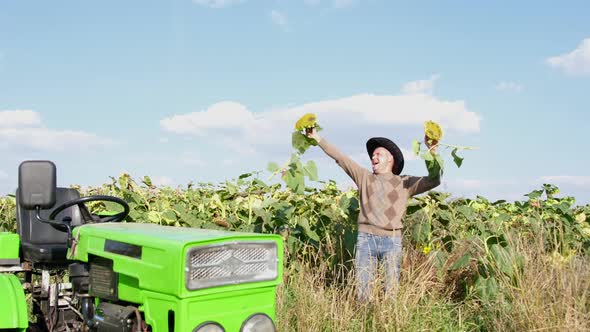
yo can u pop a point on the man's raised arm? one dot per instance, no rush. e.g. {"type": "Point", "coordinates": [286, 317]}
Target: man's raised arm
{"type": "Point", "coordinates": [354, 170]}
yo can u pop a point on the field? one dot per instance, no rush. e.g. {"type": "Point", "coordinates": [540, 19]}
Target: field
{"type": "Point", "coordinates": [469, 264]}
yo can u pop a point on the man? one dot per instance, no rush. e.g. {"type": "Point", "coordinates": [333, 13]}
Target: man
{"type": "Point", "coordinates": [384, 195]}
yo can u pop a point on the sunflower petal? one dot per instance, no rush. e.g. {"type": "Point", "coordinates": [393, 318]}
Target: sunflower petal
{"type": "Point", "coordinates": [432, 130]}
{"type": "Point", "coordinates": [306, 121]}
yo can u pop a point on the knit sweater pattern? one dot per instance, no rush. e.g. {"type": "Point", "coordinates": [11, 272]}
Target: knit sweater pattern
{"type": "Point", "coordinates": [383, 197]}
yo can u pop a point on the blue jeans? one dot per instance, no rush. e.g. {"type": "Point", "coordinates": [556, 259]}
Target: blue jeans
{"type": "Point", "coordinates": [372, 252]}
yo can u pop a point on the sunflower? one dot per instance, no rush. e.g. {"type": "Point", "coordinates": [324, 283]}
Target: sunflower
{"type": "Point", "coordinates": [433, 131]}
{"type": "Point", "coordinates": [306, 121]}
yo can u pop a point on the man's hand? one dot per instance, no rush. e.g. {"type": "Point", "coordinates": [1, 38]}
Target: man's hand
{"type": "Point", "coordinates": [311, 133]}
{"type": "Point", "coordinates": [432, 145]}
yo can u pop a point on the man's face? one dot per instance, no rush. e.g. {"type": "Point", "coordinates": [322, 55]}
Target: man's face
{"type": "Point", "coordinates": [382, 161]}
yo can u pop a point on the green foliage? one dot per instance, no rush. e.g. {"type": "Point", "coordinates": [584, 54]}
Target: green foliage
{"type": "Point", "coordinates": [301, 142]}
{"type": "Point", "coordinates": [434, 161]}
{"type": "Point", "coordinates": [466, 237]}
{"type": "Point", "coordinates": [293, 172]}
{"type": "Point", "coordinates": [8, 214]}
{"type": "Point", "coordinates": [458, 160]}
{"type": "Point", "coordinates": [469, 236]}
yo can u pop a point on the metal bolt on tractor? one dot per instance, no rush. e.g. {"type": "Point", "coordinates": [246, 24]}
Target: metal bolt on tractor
{"type": "Point", "coordinates": [70, 270]}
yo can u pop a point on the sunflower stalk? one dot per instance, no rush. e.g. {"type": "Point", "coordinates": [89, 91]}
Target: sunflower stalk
{"type": "Point", "coordinates": [294, 171]}
{"type": "Point", "coordinates": [280, 169]}
{"type": "Point", "coordinates": [432, 135]}
{"type": "Point", "coordinates": [453, 146]}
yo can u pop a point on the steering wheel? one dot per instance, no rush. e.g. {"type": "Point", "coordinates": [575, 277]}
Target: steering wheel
{"type": "Point", "coordinates": [86, 215]}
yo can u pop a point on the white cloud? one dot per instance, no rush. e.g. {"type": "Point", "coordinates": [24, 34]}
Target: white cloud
{"type": "Point", "coordinates": [392, 110]}
{"type": "Point", "coordinates": [217, 3]}
{"type": "Point", "coordinates": [509, 87]}
{"type": "Point", "coordinates": [576, 62]}
{"type": "Point", "coordinates": [251, 133]}
{"type": "Point", "coordinates": [420, 86]}
{"type": "Point", "coordinates": [19, 118]}
{"type": "Point", "coordinates": [365, 109]}
{"type": "Point", "coordinates": [52, 140]}
{"type": "Point", "coordinates": [279, 19]}
{"type": "Point", "coordinates": [223, 115]}
{"type": "Point", "coordinates": [3, 175]}
{"type": "Point", "coordinates": [25, 129]}
{"type": "Point", "coordinates": [570, 180]}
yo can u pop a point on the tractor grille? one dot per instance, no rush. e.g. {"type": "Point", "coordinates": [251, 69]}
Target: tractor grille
{"type": "Point", "coordinates": [231, 263]}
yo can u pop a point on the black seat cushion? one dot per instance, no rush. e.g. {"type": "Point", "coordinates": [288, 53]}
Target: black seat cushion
{"type": "Point", "coordinates": [41, 242]}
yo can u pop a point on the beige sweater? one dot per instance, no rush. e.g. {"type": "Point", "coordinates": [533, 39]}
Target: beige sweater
{"type": "Point", "coordinates": [383, 197]}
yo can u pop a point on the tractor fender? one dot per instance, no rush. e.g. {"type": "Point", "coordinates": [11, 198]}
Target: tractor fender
{"type": "Point", "coordinates": [13, 306]}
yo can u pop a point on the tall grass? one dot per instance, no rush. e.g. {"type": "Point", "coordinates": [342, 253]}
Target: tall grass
{"type": "Point", "coordinates": [546, 295]}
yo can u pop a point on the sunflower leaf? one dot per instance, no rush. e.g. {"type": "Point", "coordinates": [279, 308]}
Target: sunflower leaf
{"type": "Point", "coordinates": [458, 160]}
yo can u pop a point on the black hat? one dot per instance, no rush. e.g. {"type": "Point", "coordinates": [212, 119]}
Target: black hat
{"type": "Point", "coordinates": [398, 156]}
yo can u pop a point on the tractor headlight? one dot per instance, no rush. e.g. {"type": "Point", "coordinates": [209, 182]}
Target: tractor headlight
{"type": "Point", "coordinates": [258, 323]}
{"type": "Point", "coordinates": [209, 327]}
{"type": "Point", "coordinates": [231, 263]}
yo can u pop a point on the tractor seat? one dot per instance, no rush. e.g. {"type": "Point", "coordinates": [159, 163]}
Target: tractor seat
{"type": "Point", "coordinates": [45, 253]}
{"type": "Point", "coordinates": [41, 242]}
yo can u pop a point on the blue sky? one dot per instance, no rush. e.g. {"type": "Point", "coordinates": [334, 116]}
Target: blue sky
{"type": "Point", "coordinates": [206, 90]}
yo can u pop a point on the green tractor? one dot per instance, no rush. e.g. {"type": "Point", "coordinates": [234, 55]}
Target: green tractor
{"type": "Point", "coordinates": [70, 270]}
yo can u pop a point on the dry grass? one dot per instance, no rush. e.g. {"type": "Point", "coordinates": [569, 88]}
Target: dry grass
{"type": "Point", "coordinates": [553, 295]}
{"type": "Point", "coordinates": [550, 296]}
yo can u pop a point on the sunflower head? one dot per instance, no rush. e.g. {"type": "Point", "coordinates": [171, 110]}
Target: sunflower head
{"type": "Point", "coordinates": [306, 121]}
{"type": "Point", "coordinates": [433, 131]}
